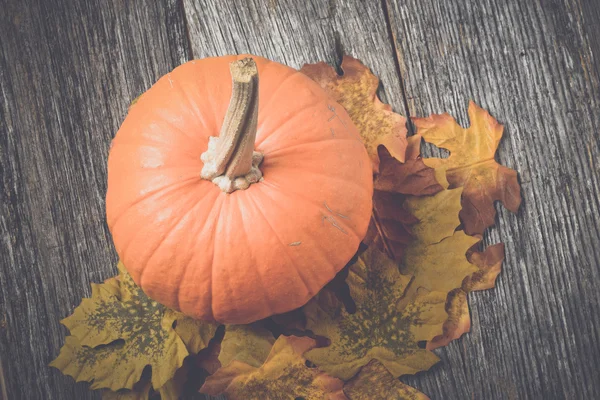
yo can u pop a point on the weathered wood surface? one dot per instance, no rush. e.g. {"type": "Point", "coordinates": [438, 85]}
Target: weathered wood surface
{"type": "Point", "coordinates": [532, 64]}
{"type": "Point", "coordinates": [68, 72]}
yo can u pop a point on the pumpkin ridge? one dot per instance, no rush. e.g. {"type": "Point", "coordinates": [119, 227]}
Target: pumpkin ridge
{"type": "Point", "coordinates": [317, 205]}
{"type": "Point", "coordinates": [164, 190]}
{"type": "Point", "coordinates": [329, 139]}
{"type": "Point", "coordinates": [306, 171]}
{"type": "Point", "coordinates": [167, 233]}
{"type": "Point", "coordinates": [188, 262]}
{"type": "Point", "coordinates": [212, 262]}
{"type": "Point", "coordinates": [154, 145]}
{"type": "Point", "coordinates": [197, 113]}
{"type": "Point", "coordinates": [258, 274]}
{"type": "Point", "coordinates": [162, 116]}
{"type": "Point", "coordinates": [292, 261]}
{"type": "Point", "coordinates": [266, 105]}
{"type": "Point", "coordinates": [274, 135]}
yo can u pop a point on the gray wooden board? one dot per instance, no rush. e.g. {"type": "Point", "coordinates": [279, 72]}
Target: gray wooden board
{"type": "Point", "coordinates": [534, 65]}
{"type": "Point", "coordinates": [68, 72]}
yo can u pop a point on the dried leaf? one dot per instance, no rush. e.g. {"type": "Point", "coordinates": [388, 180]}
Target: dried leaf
{"type": "Point", "coordinates": [391, 224]}
{"type": "Point", "coordinates": [355, 90]}
{"type": "Point", "coordinates": [116, 334]}
{"type": "Point", "coordinates": [411, 177]}
{"type": "Point", "coordinates": [458, 321]}
{"type": "Point", "coordinates": [437, 259]}
{"type": "Point", "coordinates": [437, 216]}
{"type": "Point", "coordinates": [196, 334]}
{"type": "Point", "coordinates": [382, 327]}
{"type": "Point", "coordinates": [283, 376]}
{"type": "Point", "coordinates": [471, 165]}
{"type": "Point", "coordinates": [249, 344]}
{"type": "Point", "coordinates": [488, 264]}
{"type": "Point", "coordinates": [375, 382]}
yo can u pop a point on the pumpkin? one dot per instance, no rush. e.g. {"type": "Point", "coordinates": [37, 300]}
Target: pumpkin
{"type": "Point", "coordinates": [236, 189]}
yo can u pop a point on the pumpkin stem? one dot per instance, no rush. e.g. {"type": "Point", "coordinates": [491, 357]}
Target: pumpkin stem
{"type": "Point", "coordinates": [230, 161]}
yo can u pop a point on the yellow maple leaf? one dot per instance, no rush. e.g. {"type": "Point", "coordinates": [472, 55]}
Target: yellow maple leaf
{"type": "Point", "coordinates": [356, 92]}
{"type": "Point", "coordinates": [283, 376]}
{"type": "Point", "coordinates": [471, 165]}
{"type": "Point", "coordinates": [488, 264]}
{"type": "Point", "coordinates": [437, 215]}
{"type": "Point", "coordinates": [117, 333]}
{"type": "Point", "coordinates": [438, 257]}
{"type": "Point", "coordinates": [375, 382]}
{"type": "Point", "coordinates": [381, 328]}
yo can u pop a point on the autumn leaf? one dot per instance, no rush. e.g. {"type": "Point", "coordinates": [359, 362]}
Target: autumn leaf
{"type": "Point", "coordinates": [355, 90]}
{"type": "Point", "coordinates": [438, 257]}
{"type": "Point", "coordinates": [458, 321]}
{"type": "Point", "coordinates": [194, 333]}
{"type": "Point", "coordinates": [117, 333]}
{"type": "Point", "coordinates": [283, 376]}
{"type": "Point", "coordinates": [382, 328]}
{"type": "Point", "coordinates": [488, 264]}
{"type": "Point", "coordinates": [471, 165]}
{"type": "Point", "coordinates": [375, 382]}
{"type": "Point", "coordinates": [249, 344]}
{"type": "Point", "coordinates": [391, 224]}
{"type": "Point", "coordinates": [437, 216]}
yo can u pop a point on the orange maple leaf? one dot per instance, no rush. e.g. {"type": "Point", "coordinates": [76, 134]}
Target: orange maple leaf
{"type": "Point", "coordinates": [471, 165]}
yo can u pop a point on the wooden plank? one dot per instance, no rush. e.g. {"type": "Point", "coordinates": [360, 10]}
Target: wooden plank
{"type": "Point", "coordinates": [534, 65]}
{"type": "Point", "coordinates": [68, 71]}
{"type": "Point", "coordinates": [297, 32]}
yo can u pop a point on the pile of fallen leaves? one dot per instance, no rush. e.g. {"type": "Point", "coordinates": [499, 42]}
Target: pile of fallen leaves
{"type": "Point", "coordinates": [403, 294]}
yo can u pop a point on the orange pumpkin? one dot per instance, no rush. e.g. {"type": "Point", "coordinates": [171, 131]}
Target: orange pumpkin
{"type": "Point", "coordinates": [254, 224]}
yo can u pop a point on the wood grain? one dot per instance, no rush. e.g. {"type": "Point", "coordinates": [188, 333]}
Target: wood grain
{"type": "Point", "coordinates": [297, 32]}
{"type": "Point", "coordinates": [68, 71]}
{"type": "Point", "coordinates": [534, 65]}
